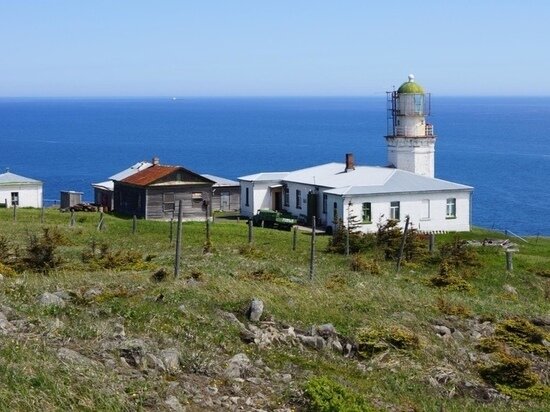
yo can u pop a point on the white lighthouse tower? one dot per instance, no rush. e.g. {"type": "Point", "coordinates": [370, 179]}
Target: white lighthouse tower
{"type": "Point", "coordinates": [411, 141]}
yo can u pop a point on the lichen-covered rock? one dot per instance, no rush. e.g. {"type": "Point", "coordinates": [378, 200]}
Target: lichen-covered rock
{"type": "Point", "coordinates": [255, 310]}
{"type": "Point", "coordinates": [50, 299]}
{"type": "Point", "coordinates": [171, 359]}
{"type": "Point", "coordinates": [238, 366]}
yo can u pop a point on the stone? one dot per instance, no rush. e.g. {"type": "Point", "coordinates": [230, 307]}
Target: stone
{"type": "Point", "coordinates": [326, 331]}
{"type": "Point", "coordinates": [119, 332]}
{"type": "Point", "coordinates": [336, 345]}
{"type": "Point", "coordinates": [255, 310]}
{"type": "Point", "coordinates": [155, 363]}
{"type": "Point", "coordinates": [510, 290]}
{"type": "Point", "coordinates": [92, 293]}
{"type": "Point", "coordinates": [315, 342]}
{"type": "Point", "coordinates": [458, 335]}
{"type": "Point", "coordinates": [63, 295]}
{"type": "Point", "coordinates": [230, 317]}
{"type": "Point", "coordinates": [1, 277]}
{"type": "Point", "coordinates": [174, 404]}
{"type": "Point", "coordinates": [181, 308]}
{"type": "Point", "coordinates": [50, 299]}
{"type": "Point", "coordinates": [286, 378]}
{"type": "Point", "coordinates": [133, 351]}
{"type": "Point", "coordinates": [441, 330]}
{"type": "Point", "coordinates": [5, 325]}
{"type": "Point", "coordinates": [212, 389]}
{"type": "Point", "coordinates": [171, 359]}
{"type": "Point", "coordinates": [73, 357]}
{"type": "Point", "coordinates": [238, 366]}
{"type": "Point", "coordinates": [541, 320]}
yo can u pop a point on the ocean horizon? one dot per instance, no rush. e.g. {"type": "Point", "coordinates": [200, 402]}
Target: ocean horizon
{"type": "Point", "coordinates": [498, 145]}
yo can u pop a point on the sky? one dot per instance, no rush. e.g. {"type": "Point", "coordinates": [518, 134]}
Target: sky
{"type": "Point", "coordinates": [72, 48]}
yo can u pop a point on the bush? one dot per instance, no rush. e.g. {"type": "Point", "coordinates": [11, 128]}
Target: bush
{"type": "Point", "coordinates": [104, 258]}
{"type": "Point", "coordinates": [458, 253]}
{"type": "Point", "coordinates": [325, 395]}
{"type": "Point", "coordinates": [455, 310]}
{"type": "Point", "coordinates": [358, 241]}
{"type": "Point", "coordinates": [361, 264]}
{"type": "Point", "coordinates": [523, 335]}
{"type": "Point", "coordinates": [373, 340]}
{"type": "Point", "coordinates": [389, 236]}
{"type": "Point", "coordinates": [447, 278]}
{"type": "Point", "coordinates": [509, 371]}
{"type": "Point", "coordinates": [41, 251]}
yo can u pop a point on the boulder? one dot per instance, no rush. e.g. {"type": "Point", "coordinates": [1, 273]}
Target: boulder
{"type": "Point", "coordinates": [171, 359]}
{"type": "Point", "coordinates": [238, 366]}
{"type": "Point", "coordinates": [315, 342]}
{"type": "Point", "coordinates": [255, 310]}
{"type": "Point", "coordinates": [326, 331]}
{"type": "Point", "coordinates": [73, 357]}
{"type": "Point", "coordinates": [92, 293]}
{"type": "Point", "coordinates": [50, 299]}
{"type": "Point", "coordinates": [173, 404]}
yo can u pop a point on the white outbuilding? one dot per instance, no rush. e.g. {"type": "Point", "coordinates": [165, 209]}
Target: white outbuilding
{"type": "Point", "coordinates": [20, 191]}
{"type": "Point", "coordinates": [372, 194]}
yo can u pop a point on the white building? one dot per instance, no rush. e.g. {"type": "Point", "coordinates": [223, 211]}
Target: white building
{"type": "Point", "coordinates": [20, 191]}
{"type": "Point", "coordinates": [372, 194]}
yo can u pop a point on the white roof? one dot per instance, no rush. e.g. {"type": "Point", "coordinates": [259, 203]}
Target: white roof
{"type": "Point", "coordinates": [138, 167]}
{"type": "Point", "coordinates": [361, 180]}
{"type": "Point", "coordinates": [11, 178]}
{"type": "Point", "coordinates": [220, 181]}
{"type": "Point", "coordinates": [265, 177]}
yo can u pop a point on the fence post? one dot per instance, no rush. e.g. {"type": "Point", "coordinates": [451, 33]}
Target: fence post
{"type": "Point", "coordinates": [294, 237]}
{"type": "Point", "coordinates": [509, 261]}
{"type": "Point", "coordinates": [250, 234]}
{"type": "Point", "coordinates": [347, 240]}
{"type": "Point", "coordinates": [72, 221]}
{"type": "Point", "coordinates": [42, 215]}
{"type": "Point", "coordinates": [312, 251]}
{"type": "Point", "coordinates": [100, 224]}
{"type": "Point", "coordinates": [402, 246]}
{"type": "Point", "coordinates": [431, 244]}
{"type": "Point", "coordinates": [178, 240]}
{"type": "Point", "coordinates": [15, 213]}
{"type": "Point", "coordinates": [134, 224]}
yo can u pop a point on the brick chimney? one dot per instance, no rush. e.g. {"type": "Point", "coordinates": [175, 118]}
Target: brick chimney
{"type": "Point", "coordinates": [350, 162]}
{"type": "Point", "coordinates": [156, 161]}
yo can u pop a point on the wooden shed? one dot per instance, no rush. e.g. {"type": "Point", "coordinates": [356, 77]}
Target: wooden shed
{"type": "Point", "coordinates": [154, 193]}
{"type": "Point", "coordinates": [226, 194]}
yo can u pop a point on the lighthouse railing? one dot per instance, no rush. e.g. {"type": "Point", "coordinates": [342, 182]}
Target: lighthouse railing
{"type": "Point", "coordinates": [412, 131]}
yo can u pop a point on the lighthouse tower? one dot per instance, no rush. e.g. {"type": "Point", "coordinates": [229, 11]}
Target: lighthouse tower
{"type": "Point", "coordinates": [411, 140]}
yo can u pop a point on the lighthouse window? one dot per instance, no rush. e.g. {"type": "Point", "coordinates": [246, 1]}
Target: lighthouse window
{"type": "Point", "coordinates": [419, 104]}
{"type": "Point", "coordinates": [451, 208]}
{"type": "Point", "coordinates": [394, 210]}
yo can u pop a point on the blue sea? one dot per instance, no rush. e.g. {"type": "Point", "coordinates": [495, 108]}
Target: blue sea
{"type": "Point", "coordinates": [501, 146]}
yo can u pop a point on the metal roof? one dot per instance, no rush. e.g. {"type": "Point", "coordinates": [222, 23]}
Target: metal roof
{"type": "Point", "coordinates": [138, 167]}
{"type": "Point", "coordinates": [11, 178]}
{"type": "Point", "coordinates": [220, 181]}
{"type": "Point", "coordinates": [150, 175]}
{"type": "Point", "coordinates": [264, 177]}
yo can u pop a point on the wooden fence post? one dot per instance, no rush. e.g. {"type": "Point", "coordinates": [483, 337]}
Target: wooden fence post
{"type": "Point", "coordinates": [294, 237]}
{"type": "Point", "coordinates": [134, 224]}
{"type": "Point", "coordinates": [100, 225]}
{"type": "Point", "coordinates": [250, 234]}
{"type": "Point", "coordinates": [15, 213]}
{"type": "Point", "coordinates": [509, 261]}
{"type": "Point", "coordinates": [72, 221]}
{"type": "Point", "coordinates": [312, 251]}
{"type": "Point", "coordinates": [178, 240]}
{"type": "Point", "coordinates": [402, 246]}
{"type": "Point", "coordinates": [172, 230]}
{"type": "Point", "coordinates": [431, 244]}
{"type": "Point", "coordinates": [42, 215]}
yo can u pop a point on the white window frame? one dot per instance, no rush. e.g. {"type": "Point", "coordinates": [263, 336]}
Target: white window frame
{"type": "Point", "coordinates": [450, 209]}
{"type": "Point", "coordinates": [395, 210]}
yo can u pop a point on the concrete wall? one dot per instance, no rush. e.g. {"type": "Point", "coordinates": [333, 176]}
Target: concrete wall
{"type": "Point", "coordinates": [416, 155]}
{"type": "Point", "coordinates": [412, 205]}
{"type": "Point", "coordinates": [259, 197]}
{"type": "Point", "coordinates": [29, 195]}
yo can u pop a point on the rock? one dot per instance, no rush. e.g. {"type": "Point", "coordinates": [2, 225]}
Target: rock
{"type": "Point", "coordinates": [92, 293]}
{"type": "Point", "coordinates": [133, 352]}
{"type": "Point", "coordinates": [119, 332]}
{"type": "Point", "coordinates": [239, 365]}
{"type": "Point", "coordinates": [247, 336]}
{"type": "Point", "coordinates": [70, 356]}
{"type": "Point", "coordinates": [255, 310]}
{"type": "Point", "coordinates": [510, 290]}
{"type": "Point", "coordinates": [230, 317]}
{"type": "Point", "coordinates": [50, 299]}
{"type": "Point", "coordinates": [336, 345]}
{"type": "Point", "coordinates": [171, 359]}
{"type": "Point", "coordinates": [541, 320]}
{"type": "Point", "coordinates": [63, 295]}
{"type": "Point", "coordinates": [326, 331]}
{"type": "Point", "coordinates": [5, 325]}
{"type": "Point", "coordinates": [255, 381]}
{"type": "Point", "coordinates": [212, 389]}
{"type": "Point", "coordinates": [174, 404]}
{"type": "Point", "coordinates": [545, 343]}
{"type": "Point", "coordinates": [315, 342]}
{"type": "Point", "coordinates": [442, 330]}
{"type": "Point", "coordinates": [457, 335]}
{"type": "Point", "coordinates": [152, 362]}
{"type": "Point", "coordinates": [1, 277]}
{"type": "Point", "coordinates": [181, 308]}
{"type": "Point", "coordinates": [286, 378]}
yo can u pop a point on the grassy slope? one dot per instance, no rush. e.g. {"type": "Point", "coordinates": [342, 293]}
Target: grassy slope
{"type": "Point", "coordinates": [32, 378]}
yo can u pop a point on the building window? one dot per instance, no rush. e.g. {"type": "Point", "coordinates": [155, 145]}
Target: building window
{"type": "Point", "coordinates": [335, 212]}
{"type": "Point", "coordinates": [367, 212]}
{"type": "Point", "coordinates": [15, 198]}
{"type": "Point", "coordinates": [196, 197]}
{"type": "Point", "coordinates": [394, 211]}
{"type": "Point", "coordinates": [298, 199]}
{"type": "Point", "coordinates": [425, 212]}
{"type": "Point", "coordinates": [168, 202]}
{"type": "Point", "coordinates": [247, 197]}
{"type": "Point", "coordinates": [325, 201]}
{"type": "Point", "coordinates": [451, 208]}
{"type": "Point", "coordinates": [286, 196]}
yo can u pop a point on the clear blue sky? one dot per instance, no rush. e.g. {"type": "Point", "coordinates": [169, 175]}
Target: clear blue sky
{"type": "Point", "coordinates": [275, 48]}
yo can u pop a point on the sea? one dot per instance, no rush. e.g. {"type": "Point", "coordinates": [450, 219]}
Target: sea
{"type": "Point", "coordinates": [498, 145]}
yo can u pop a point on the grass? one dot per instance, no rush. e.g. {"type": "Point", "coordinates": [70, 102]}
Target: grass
{"type": "Point", "coordinates": [32, 378]}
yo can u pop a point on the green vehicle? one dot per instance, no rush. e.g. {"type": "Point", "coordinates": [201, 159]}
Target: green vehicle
{"type": "Point", "coordinates": [274, 219]}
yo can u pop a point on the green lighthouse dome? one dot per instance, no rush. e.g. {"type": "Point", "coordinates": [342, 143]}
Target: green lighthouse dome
{"type": "Point", "coordinates": [410, 86]}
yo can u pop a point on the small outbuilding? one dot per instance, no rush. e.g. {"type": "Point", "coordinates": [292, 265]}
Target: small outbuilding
{"type": "Point", "coordinates": [20, 191]}
{"type": "Point", "coordinates": [226, 194]}
{"type": "Point", "coordinates": [155, 192]}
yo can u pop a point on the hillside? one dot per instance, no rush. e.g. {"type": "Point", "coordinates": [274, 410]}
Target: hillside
{"type": "Point", "coordinates": [106, 329]}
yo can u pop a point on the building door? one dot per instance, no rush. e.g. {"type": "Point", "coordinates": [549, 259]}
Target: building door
{"type": "Point", "coordinates": [311, 207]}
{"type": "Point", "coordinates": [278, 200]}
{"type": "Point", "coordinates": [15, 198]}
{"type": "Point", "coordinates": [224, 200]}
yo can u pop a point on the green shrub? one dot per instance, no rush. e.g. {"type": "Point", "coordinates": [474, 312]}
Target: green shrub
{"type": "Point", "coordinates": [523, 335]}
{"type": "Point", "coordinates": [458, 253]}
{"type": "Point", "coordinates": [372, 340]}
{"type": "Point", "coordinates": [510, 371]}
{"type": "Point", "coordinates": [447, 278]}
{"type": "Point", "coordinates": [325, 395]}
{"type": "Point", "coordinates": [361, 264]}
{"type": "Point", "coordinates": [358, 241]}
{"type": "Point", "coordinates": [41, 251]}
